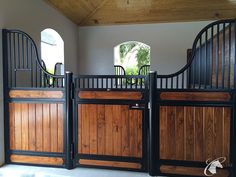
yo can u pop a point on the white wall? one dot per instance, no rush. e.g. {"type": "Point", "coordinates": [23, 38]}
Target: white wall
{"type": "Point", "coordinates": [32, 16]}
{"type": "Point", "coordinates": [168, 41]}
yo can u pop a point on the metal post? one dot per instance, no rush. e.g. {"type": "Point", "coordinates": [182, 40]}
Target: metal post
{"type": "Point", "coordinates": [153, 126]}
{"type": "Point", "coordinates": [5, 91]}
{"type": "Point", "coordinates": [69, 120]}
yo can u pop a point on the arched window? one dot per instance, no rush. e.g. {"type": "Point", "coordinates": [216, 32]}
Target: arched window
{"type": "Point", "coordinates": [52, 51]}
{"type": "Point", "coordinates": [132, 58]}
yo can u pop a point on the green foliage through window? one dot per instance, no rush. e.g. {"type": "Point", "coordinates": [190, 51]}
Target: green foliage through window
{"type": "Point", "coordinates": [132, 56]}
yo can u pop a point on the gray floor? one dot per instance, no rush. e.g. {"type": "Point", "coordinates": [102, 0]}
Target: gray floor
{"type": "Point", "coordinates": [29, 171]}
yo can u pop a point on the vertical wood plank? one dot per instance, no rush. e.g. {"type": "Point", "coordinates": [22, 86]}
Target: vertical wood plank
{"type": "Point", "coordinates": [46, 128]}
{"type": "Point", "coordinates": [12, 125]}
{"type": "Point", "coordinates": [60, 127]}
{"type": "Point", "coordinates": [189, 133]}
{"type": "Point", "coordinates": [80, 128]}
{"type": "Point", "coordinates": [125, 132]}
{"type": "Point", "coordinates": [163, 132]}
{"type": "Point", "coordinates": [171, 113]}
{"type": "Point", "coordinates": [18, 126]}
{"type": "Point", "coordinates": [140, 133]}
{"type": "Point", "coordinates": [93, 128]}
{"type": "Point", "coordinates": [39, 127]}
{"type": "Point", "coordinates": [199, 136]}
{"type": "Point", "coordinates": [132, 133]}
{"type": "Point", "coordinates": [179, 133]}
{"type": "Point", "coordinates": [85, 129]}
{"type": "Point", "coordinates": [116, 129]}
{"type": "Point", "coordinates": [108, 119]}
{"type": "Point", "coordinates": [218, 134]}
{"type": "Point", "coordinates": [226, 133]}
{"type": "Point", "coordinates": [209, 122]}
{"type": "Point", "coordinates": [53, 127]}
{"type": "Point", "coordinates": [101, 129]}
{"type": "Point", "coordinates": [25, 126]}
{"type": "Point", "coordinates": [32, 127]}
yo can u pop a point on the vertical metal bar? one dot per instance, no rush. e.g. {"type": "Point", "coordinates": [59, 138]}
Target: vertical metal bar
{"type": "Point", "coordinates": [200, 62]}
{"type": "Point", "coordinates": [14, 49]}
{"type": "Point", "coordinates": [229, 62]}
{"type": "Point", "coordinates": [211, 55]}
{"type": "Point", "coordinates": [161, 83]}
{"type": "Point", "coordinates": [31, 63]}
{"type": "Point", "coordinates": [18, 41]}
{"type": "Point", "coordinates": [111, 82]}
{"type": "Point", "coordinates": [182, 80]}
{"type": "Point", "coordinates": [166, 83]}
{"type": "Point", "coordinates": [217, 54]}
{"type": "Point", "coordinates": [36, 73]}
{"type": "Point", "coordinates": [5, 92]}
{"type": "Point", "coordinates": [206, 59]}
{"type": "Point", "coordinates": [106, 83]}
{"type": "Point", "coordinates": [27, 55]}
{"type": "Point", "coordinates": [93, 83]}
{"type": "Point", "coordinates": [154, 126]}
{"type": "Point", "coordinates": [10, 62]}
{"type": "Point", "coordinates": [177, 81]}
{"type": "Point", "coordinates": [234, 54]}
{"type": "Point", "coordinates": [23, 51]}
{"type": "Point", "coordinates": [69, 120]}
{"type": "Point", "coordinates": [223, 58]}
{"type": "Point", "coordinates": [232, 138]}
{"type": "Point", "coordinates": [171, 80]}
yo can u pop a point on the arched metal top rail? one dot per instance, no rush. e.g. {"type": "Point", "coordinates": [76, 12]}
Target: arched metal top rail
{"type": "Point", "coordinates": [211, 65]}
{"type": "Point", "coordinates": [21, 55]}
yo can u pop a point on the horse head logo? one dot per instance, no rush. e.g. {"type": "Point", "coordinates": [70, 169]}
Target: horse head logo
{"type": "Point", "coordinates": [210, 169]}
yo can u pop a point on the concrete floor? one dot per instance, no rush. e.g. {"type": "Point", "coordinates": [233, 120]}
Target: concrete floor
{"type": "Point", "coordinates": [29, 171]}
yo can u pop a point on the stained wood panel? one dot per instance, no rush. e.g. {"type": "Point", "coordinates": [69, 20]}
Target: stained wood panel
{"type": "Point", "coordinates": [36, 127]}
{"type": "Point", "coordinates": [35, 94]}
{"type": "Point", "coordinates": [110, 95]}
{"type": "Point", "coordinates": [194, 133]}
{"type": "Point", "coordinates": [109, 130]}
{"type": "Point", "coordinates": [36, 160]}
{"type": "Point", "coordinates": [196, 96]}
{"type": "Point", "coordinates": [110, 163]}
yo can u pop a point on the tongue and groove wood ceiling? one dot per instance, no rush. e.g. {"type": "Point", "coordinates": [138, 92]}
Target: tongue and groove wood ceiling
{"type": "Point", "coordinates": [107, 12]}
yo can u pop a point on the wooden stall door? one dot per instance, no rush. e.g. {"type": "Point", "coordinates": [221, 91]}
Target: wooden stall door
{"type": "Point", "coordinates": [109, 130]}
{"type": "Point", "coordinates": [189, 133]}
{"type": "Point", "coordinates": [36, 130]}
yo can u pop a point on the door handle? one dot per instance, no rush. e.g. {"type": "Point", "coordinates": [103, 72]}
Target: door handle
{"type": "Point", "coordinates": [137, 106]}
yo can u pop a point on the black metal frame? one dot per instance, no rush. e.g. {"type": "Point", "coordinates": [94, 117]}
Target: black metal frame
{"type": "Point", "coordinates": [151, 87]}
{"type": "Point", "coordinates": [104, 83]}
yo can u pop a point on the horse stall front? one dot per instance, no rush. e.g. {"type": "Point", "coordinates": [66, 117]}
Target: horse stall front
{"type": "Point", "coordinates": [172, 125]}
{"type": "Point", "coordinates": [111, 121]}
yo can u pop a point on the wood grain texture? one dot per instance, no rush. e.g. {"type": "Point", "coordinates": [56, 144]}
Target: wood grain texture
{"type": "Point", "coordinates": [110, 163]}
{"type": "Point", "coordinates": [109, 130]}
{"type": "Point", "coordinates": [36, 127]}
{"type": "Point", "coordinates": [195, 96]}
{"type": "Point", "coordinates": [110, 95]}
{"type": "Point", "coordinates": [36, 160]}
{"type": "Point", "coordinates": [100, 12]}
{"type": "Point", "coordinates": [194, 133]}
{"type": "Point", "coordinates": [35, 94]}
{"type": "Point", "coordinates": [190, 171]}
